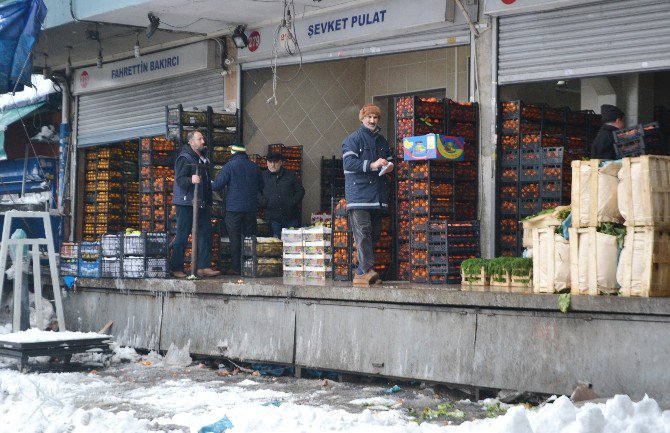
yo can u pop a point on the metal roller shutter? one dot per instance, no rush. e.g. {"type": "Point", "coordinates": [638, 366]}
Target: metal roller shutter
{"type": "Point", "coordinates": [617, 36]}
{"type": "Point", "coordinates": [139, 111]}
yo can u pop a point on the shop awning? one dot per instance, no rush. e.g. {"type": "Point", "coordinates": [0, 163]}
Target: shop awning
{"type": "Point", "coordinates": [11, 115]}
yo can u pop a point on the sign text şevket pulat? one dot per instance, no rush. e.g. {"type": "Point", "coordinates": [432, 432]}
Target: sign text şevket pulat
{"type": "Point", "coordinates": [358, 20]}
{"type": "Point", "coordinates": [142, 67]}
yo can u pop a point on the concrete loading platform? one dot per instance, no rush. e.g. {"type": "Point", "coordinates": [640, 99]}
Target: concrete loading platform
{"type": "Point", "coordinates": [403, 330]}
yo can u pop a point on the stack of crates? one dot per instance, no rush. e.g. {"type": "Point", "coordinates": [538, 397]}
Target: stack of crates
{"type": "Point", "coordinates": [537, 144]}
{"type": "Point", "coordinates": [261, 257]}
{"type": "Point", "coordinates": [144, 255]}
{"type": "Point", "coordinates": [413, 116]}
{"type": "Point", "coordinates": [307, 253]}
{"type": "Point", "coordinates": [104, 192]}
{"type": "Point", "coordinates": [462, 120]}
{"type": "Point", "coordinates": [131, 186]}
{"type": "Point", "coordinates": [112, 256]}
{"type": "Point", "coordinates": [157, 157]}
{"type": "Point", "coordinates": [292, 157]}
{"type": "Point", "coordinates": [462, 243]}
{"type": "Point", "coordinates": [640, 140]}
{"type": "Point", "coordinates": [332, 181]}
{"type": "Point", "coordinates": [69, 259]}
{"type": "Point", "coordinates": [342, 243]}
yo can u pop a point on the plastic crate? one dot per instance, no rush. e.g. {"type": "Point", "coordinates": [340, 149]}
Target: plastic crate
{"type": "Point", "coordinates": [89, 268]}
{"type": "Point", "coordinates": [111, 245]}
{"type": "Point", "coordinates": [508, 191]}
{"type": "Point", "coordinates": [156, 244]}
{"type": "Point", "coordinates": [134, 245]}
{"type": "Point", "coordinates": [529, 206]}
{"type": "Point", "coordinates": [69, 250]}
{"type": "Point", "coordinates": [530, 172]}
{"type": "Point", "coordinates": [552, 155]}
{"type": "Point", "coordinates": [111, 267]}
{"type": "Point", "coordinates": [552, 189]}
{"type": "Point", "coordinates": [261, 267]}
{"type": "Point", "coordinates": [552, 172]}
{"type": "Point", "coordinates": [510, 158]}
{"type": "Point", "coordinates": [69, 266]}
{"type": "Point", "coordinates": [89, 250]}
{"type": "Point", "coordinates": [529, 190]}
{"type": "Point", "coordinates": [133, 267]}
{"type": "Point", "coordinates": [156, 267]}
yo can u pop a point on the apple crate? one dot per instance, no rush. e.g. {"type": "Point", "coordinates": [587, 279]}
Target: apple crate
{"type": "Point", "coordinates": [551, 261]}
{"type": "Point", "coordinates": [644, 191]}
{"type": "Point", "coordinates": [593, 262]}
{"type": "Point", "coordinates": [644, 263]}
{"type": "Point", "coordinates": [594, 196]}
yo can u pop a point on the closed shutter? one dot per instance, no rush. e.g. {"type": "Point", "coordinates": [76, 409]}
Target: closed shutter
{"type": "Point", "coordinates": [139, 111]}
{"type": "Point", "coordinates": [617, 36]}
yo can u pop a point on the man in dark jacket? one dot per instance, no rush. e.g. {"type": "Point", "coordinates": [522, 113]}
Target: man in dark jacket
{"type": "Point", "coordinates": [365, 153]}
{"type": "Point", "coordinates": [603, 145]}
{"type": "Point", "coordinates": [192, 156]}
{"type": "Point", "coordinates": [244, 181]}
{"type": "Point", "coordinates": [281, 196]}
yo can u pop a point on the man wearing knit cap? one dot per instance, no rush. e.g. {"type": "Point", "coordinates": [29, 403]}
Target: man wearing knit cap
{"type": "Point", "coordinates": [366, 154]}
{"type": "Point", "coordinates": [244, 182]}
{"type": "Point", "coordinates": [603, 145]}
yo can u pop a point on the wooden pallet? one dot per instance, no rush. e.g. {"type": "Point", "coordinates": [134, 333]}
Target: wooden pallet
{"type": "Point", "coordinates": [587, 180]}
{"type": "Point", "coordinates": [588, 258]}
{"type": "Point", "coordinates": [644, 264]}
{"type": "Point", "coordinates": [544, 261]}
{"type": "Point", "coordinates": [645, 187]}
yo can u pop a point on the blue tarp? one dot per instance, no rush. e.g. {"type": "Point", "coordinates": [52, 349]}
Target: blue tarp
{"type": "Point", "coordinates": [20, 24]}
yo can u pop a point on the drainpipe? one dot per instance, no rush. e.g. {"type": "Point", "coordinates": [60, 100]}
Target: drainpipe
{"type": "Point", "coordinates": [64, 142]}
{"type": "Point", "coordinates": [494, 134]}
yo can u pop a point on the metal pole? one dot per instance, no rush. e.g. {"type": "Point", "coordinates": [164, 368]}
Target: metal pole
{"type": "Point", "coordinates": [25, 169]}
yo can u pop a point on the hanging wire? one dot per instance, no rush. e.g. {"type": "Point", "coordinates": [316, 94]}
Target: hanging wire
{"type": "Point", "coordinates": [287, 23]}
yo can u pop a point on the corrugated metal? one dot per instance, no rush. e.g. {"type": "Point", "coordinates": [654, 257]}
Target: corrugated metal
{"type": "Point", "coordinates": [614, 37]}
{"type": "Point", "coordinates": [447, 35]}
{"type": "Point", "coordinates": [139, 111]}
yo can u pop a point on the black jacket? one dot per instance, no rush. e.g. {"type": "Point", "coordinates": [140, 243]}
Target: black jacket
{"type": "Point", "coordinates": [244, 182]}
{"type": "Point", "coordinates": [603, 145]}
{"type": "Point", "coordinates": [182, 194]}
{"type": "Point", "coordinates": [281, 196]}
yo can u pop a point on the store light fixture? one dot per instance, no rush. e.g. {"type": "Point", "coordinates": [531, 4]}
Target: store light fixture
{"type": "Point", "coordinates": [239, 38]}
{"type": "Point", "coordinates": [154, 21]}
{"type": "Point", "coordinates": [136, 48]}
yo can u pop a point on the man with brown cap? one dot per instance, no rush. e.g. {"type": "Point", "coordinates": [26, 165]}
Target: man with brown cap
{"type": "Point", "coordinates": [365, 153]}
{"type": "Point", "coordinates": [603, 145]}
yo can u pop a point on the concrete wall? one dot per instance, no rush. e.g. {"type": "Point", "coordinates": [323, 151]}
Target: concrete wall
{"type": "Point", "coordinates": [492, 340]}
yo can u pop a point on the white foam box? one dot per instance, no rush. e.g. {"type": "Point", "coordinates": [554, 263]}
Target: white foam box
{"type": "Point", "coordinates": [292, 235]}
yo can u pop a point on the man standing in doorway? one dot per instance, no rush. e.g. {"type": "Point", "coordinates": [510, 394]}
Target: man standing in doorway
{"type": "Point", "coordinates": [244, 181]}
{"type": "Point", "coordinates": [603, 145]}
{"type": "Point", "coordinates": [365, 153]}
{"type": "Point", "coordinates": [192, 156]}
{"type": "Point", "coordinates": [281, 197]}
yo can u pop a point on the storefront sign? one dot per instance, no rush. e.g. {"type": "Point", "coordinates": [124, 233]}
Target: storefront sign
{"type": "Point", "coordinates": [502, 7]}
{"type": "Point", "coordinates": [377, 20]}
{"type": "Point", "coordinates": [149, 67]}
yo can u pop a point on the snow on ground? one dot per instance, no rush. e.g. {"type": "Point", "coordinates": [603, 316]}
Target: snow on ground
{"type": "Point", "coordinates": [130, 397]}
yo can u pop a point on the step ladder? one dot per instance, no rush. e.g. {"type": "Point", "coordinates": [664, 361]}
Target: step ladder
{"type": "Point", "coordinates": [34, 246]}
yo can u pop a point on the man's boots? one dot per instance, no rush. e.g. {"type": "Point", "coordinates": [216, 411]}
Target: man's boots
{"type": "Point", "coordinates": [365, 280]}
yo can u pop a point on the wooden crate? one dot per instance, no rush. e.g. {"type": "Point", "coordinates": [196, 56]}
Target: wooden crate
{"type": "Point", "coordinates": [644, 191]}
{"type": "Point", "coordinates": [544, 257]}
{"type": "Point", "coordinates": [594, 261]}
{"type": "Point", "coordinates": [540, 221]}
{"type": "Point", "coordinates": [470, 280]}
{"type": "Point", "coordinates": [585, 191]}
{"type": "Point", "coordinates": [644, 264]}
{"type": "Point", "coordinates": [511, 282]}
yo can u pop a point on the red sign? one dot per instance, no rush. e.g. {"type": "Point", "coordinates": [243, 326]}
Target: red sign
{"type": "Point", "coordinates": [508, 2]}
{"type": "Point", "coordinates": [83, 79]}
{"type": "Point", "coordinates": [254, 41]}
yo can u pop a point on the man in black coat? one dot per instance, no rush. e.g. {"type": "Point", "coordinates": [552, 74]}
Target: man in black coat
{"type": "Point", "coordinates": [281, 196]}
{"type": "Point", "coordinates": [603, 145]}
{"type": "Point", "coordinates": [185, 183]}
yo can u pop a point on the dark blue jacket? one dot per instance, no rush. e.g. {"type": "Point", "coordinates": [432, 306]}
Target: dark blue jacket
{"type": "Point", "coordinates": [364, 188]}
{"type": "Point", "coordinates": [182, 194]}
{"type": "Point", "coordinates": [244, 181]}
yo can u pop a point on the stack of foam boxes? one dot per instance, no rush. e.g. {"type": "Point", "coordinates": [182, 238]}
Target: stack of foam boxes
{"type": "Point", "coordinates": [307, 254]}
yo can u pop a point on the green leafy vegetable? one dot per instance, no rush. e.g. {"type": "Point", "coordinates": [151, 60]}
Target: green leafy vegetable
{"type": "Point", "coordinates": [614, 230]}
{"type": "Point", "coordinates": [564, 302]}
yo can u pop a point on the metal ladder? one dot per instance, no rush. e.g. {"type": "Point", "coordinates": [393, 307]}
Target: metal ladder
{"type": "Point", "coordinates": [34, 244]}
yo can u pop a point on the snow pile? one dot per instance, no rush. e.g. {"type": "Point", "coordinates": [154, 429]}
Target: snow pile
{"type": "Point", "coordinates": [34, 335]}
{"type": "Point", "coordinates": [29, 95]}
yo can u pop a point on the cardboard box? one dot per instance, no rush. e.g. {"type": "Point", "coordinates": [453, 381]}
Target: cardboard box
{"type": "Point", "coordinates": [433, 146]}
